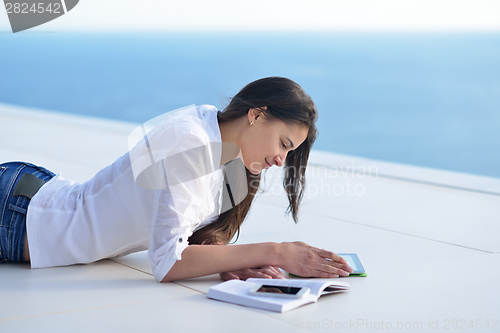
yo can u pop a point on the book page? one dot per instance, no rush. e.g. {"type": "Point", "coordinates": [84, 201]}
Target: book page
{"type": "Point", "coordinates": [236, 291]}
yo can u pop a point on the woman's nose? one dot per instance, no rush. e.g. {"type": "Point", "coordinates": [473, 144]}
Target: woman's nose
{"type": "Point", "coordinates": [280, 159]}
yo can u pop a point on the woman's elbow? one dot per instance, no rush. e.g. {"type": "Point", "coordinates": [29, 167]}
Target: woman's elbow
{"type": "Point", "coordinates": [168, 277]}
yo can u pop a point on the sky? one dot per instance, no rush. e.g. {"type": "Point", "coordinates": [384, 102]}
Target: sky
{"type": "Point", "coordinates": [276, 15]}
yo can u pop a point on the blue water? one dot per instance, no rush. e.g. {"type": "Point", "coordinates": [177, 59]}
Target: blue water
{"type": "Point", "coordinates": [418, 98]}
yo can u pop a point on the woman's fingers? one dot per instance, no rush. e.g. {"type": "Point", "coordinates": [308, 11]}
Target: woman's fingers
{"type": "Point", "coordinates": [308, 261]}
{"type": "Point", "coordinates": [323, 274]}
{"type": "Point", "coordinates": [335, 260]}
{"type": "Point", "coordinates": [328, 268]}
{"type": "Point", "coordinates": [267, 272]}
{"type": "Point", "coordinates": [331, 264]}
{"type": "Point", "coordinates": [272, 271]}
{"type": "Point", "coordinates": [255, 274]}
{"type": "Point", "coordinates": [279, 274]}
{"type": "Point", "coordinates": [325, 271]}
{"type": "Point", "coordinates": [342, 267]}
{"type": "Point", "coordinates": [330, 255]}
{"type": "Point", "coordinates": [228, 276]}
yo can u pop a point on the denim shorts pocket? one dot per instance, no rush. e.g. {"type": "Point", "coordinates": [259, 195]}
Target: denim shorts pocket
{"type": "Point", "coordinates": [17, 232]}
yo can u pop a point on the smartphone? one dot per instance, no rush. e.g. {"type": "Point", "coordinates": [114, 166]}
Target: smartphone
{"type": "Point", "coordinates": [278, 291]}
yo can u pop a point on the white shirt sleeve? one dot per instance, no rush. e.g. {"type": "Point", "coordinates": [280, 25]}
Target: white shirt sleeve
{"type": "Point", "coordinates": [186, 200]}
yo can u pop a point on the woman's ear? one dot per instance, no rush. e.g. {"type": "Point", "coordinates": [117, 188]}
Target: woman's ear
{"type": "Point", "coordinates": [255, 113]}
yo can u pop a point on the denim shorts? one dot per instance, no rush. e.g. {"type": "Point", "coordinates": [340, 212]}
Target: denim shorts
{"type": "Point", "coordinates": [13, 208]}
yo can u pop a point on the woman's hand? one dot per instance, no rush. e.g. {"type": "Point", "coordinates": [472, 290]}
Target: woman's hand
{"type": "Point", "coordinates": [304, 260]}
{"type": "Point", "coordinates": [264, 272]}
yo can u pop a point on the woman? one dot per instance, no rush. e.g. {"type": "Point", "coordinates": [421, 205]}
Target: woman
{"type": "Point", "coordinates": [170, 194]}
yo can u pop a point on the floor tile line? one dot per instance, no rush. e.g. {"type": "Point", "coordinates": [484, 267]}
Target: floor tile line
{"type": "Point", "coordinates": [139, 270]}
{"type": "Point", "coordinates": [180, 284]}
{"type": "Point", "coordinates": [406, 234]}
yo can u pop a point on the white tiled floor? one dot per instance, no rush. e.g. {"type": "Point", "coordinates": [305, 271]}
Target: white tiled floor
{"type": "Point", "coordinates": [431, 250]}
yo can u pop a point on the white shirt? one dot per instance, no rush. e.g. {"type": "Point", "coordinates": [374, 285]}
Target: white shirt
{"type": "Point", "coordinates": [115, 213]}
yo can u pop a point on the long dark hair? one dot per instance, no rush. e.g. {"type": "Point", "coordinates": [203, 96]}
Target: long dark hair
{"type": "Point", "coordinates": [286, 101]}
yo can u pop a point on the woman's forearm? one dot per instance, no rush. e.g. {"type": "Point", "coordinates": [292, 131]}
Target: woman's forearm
{"type": "Point", "coordinates": [201, 260]}
{"type": "Point", "coordinates": [297, 258]}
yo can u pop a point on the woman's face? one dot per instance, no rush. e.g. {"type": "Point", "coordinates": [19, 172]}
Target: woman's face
{"type": "Point", "coordinates": [267, 142]}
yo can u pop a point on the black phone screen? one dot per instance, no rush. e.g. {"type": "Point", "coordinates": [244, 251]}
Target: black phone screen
{"type": "Point", "coordinates": [278, 290]}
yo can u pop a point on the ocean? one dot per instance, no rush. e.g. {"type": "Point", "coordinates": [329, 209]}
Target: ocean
{"type": "Point", "coordinates": [427, 99]}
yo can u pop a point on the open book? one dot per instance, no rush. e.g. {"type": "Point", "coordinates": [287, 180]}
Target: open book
{"type": "Point", "coordinates": [236, 291]}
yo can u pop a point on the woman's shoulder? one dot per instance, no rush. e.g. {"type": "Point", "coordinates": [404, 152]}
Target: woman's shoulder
{"type": "Point", "coordinates": [195, 123]}
{"type": "Point", "coordinates": [182, 130]}
{"type": "Point", "coordinates": [195, 117]}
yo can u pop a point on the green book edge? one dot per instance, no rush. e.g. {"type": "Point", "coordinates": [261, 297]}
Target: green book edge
{"type": "Point", "coordinates": [362, 274]}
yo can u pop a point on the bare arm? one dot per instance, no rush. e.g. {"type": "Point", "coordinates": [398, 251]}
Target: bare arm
{"type": "Point", "coordinates": [200, 260]}
{"type": "Point", "coordinates": [295, 257]}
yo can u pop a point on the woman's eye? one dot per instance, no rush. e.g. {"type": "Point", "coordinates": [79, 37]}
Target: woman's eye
{"type": "Point", "coordinates": [283, 144]}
